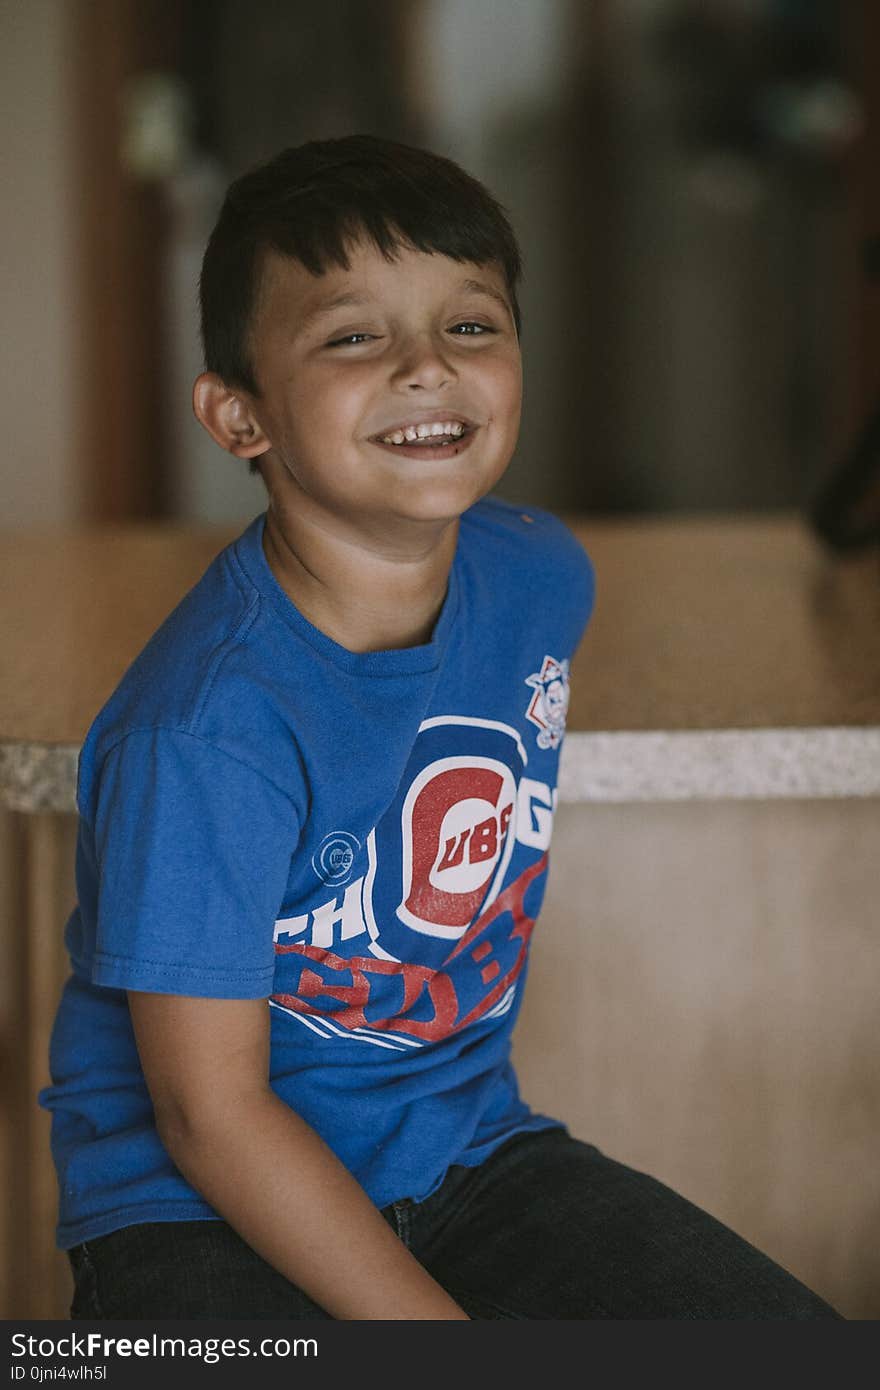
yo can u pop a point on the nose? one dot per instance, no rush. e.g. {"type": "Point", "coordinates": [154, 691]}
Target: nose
{"type": "Point", "coordinates": [423, 365]}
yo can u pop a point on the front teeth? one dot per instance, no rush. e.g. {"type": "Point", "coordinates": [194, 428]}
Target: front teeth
{"type": "Point", "coordinates": [413, 432]}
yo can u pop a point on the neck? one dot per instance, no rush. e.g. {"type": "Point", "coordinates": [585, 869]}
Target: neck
{"type": "Point", "coordinates": [368, 593]}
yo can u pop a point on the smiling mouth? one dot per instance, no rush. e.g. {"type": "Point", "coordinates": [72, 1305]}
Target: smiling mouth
{"type": "Point", "coordinates": [433, 435]}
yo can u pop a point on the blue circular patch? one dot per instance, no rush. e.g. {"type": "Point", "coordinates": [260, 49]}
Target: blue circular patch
{"type": "Point", "coordinates": [334, 857]}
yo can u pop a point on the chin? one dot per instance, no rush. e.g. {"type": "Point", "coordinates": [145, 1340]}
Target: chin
{"type": "Point", "coordinates": [441, 501]}
{"type": "Point", "coordinates": [463, 486]}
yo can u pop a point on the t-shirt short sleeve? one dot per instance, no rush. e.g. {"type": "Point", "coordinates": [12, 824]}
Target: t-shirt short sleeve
{"type": "Point", "coordinates": [193, 852]}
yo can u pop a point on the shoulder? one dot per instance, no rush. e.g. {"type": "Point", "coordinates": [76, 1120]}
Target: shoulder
{"type": "Point", "coordinates": [524, 528]}
{"type": "Point", "coordinates": [201, 687]}
{"type": "Point", "coordinates": [169, 677]}
{"type": "Point", "coordinates": [533, 542]}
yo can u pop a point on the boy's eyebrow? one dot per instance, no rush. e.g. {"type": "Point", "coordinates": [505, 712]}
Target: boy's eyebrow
{"type": "Point", "coordinates": [339, 301]}
{"type": "Point", "coordinates": [355, 301]}
{"type": "Point", "coordinates": [480, 287]}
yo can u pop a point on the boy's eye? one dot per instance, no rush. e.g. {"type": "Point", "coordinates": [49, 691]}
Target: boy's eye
{"type": "Point", "coordinates": [349, 338]}
{"type": "Point", "coordinates": [480, 327]}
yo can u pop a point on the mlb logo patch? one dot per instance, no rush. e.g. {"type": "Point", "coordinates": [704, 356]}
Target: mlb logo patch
{"type": "Point", "coordinates": [548, 706]}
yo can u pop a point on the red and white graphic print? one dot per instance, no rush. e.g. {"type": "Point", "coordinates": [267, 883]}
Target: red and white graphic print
{"type": "Point", "coordinates": [338, 993]}
{"type": "Point", "coordinates": [454, 838]}
{"type": "Point", "coordinates": [432, 933]}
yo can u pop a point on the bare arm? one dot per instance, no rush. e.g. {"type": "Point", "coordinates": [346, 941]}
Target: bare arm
{"type": "Point", "coordinates": [266, 1171]}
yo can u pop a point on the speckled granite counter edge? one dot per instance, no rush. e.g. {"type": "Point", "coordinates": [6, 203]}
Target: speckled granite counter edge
{"type": "Point", "coordinates": [721, 765]}
{"type": "Point", "coordinates": [698, 765]}
{"type": "Point", "coordinates": [38, 777]}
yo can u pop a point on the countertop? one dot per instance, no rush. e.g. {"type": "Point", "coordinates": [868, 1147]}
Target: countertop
{"type": "Point", "coordinates": [727, 657]}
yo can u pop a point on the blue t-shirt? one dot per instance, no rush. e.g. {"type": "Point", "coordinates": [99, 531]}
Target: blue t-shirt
{"type": "Point", "coordinates": [361, 838]}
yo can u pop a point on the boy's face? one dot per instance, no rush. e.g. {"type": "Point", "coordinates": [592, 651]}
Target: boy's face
{"type": "Point", "coordinates": [419, 337]}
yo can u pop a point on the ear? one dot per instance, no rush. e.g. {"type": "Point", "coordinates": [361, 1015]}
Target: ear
{"type": "Point", "coordinates": [228, 417]}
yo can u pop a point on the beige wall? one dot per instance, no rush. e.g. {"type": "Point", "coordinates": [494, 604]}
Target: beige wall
{"type": "Point", "coordinates": [37, 264]}
{"type": "Point", "coordinates": [702, 1005]}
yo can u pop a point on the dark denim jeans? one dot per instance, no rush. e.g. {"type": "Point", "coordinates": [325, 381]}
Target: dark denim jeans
{"type": "Point", "coordinates": [547, 1227]}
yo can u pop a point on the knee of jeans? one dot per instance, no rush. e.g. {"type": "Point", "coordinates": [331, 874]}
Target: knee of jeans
{"type": "Point", "coordinates": [86, 1303]}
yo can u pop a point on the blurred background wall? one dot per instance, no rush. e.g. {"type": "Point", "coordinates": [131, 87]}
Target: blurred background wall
{"type": "Point", "coordinates": [689, 182]}
{"type": "Point", "coordinates": [38, 351]}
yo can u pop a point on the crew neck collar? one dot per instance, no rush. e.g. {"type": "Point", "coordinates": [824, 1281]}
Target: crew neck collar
{"type": "Point", "coordinates": [394, 661]}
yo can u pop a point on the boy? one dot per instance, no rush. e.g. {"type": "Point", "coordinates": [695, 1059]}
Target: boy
{"type": "Point", "coordinates": [315, 817]}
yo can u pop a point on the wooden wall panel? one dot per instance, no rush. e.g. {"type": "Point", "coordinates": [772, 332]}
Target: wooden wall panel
{"type": "Point", "coordinates": [121, 237]}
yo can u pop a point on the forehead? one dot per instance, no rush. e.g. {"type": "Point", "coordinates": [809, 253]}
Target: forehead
{"type": "Point", "coordinates": [291, 293]}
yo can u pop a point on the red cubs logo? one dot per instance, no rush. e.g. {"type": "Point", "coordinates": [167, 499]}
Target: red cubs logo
{"type": "Point", "coordinates": [455, 842]}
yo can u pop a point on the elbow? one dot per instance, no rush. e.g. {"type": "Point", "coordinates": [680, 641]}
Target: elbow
{"type": "Point", "coordinates": [186, 1128]}
{"type": "Point", "coordinates": [176, 1126]}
